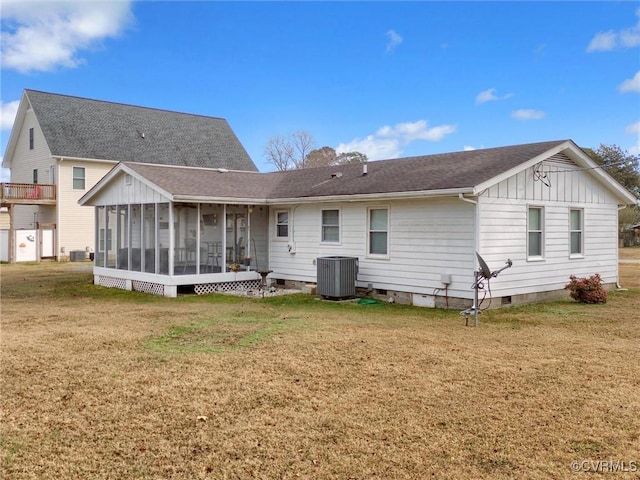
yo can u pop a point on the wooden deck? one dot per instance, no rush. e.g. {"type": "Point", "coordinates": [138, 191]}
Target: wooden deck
{"type": "Point", "coordinates": [27, 194]}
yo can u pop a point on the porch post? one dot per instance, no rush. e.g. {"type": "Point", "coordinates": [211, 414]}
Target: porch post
{"type": "Point", "coordinates": [12, 233]}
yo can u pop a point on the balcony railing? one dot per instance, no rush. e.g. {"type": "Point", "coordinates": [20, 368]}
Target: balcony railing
{"type": "Point", "coordinates": [28, 193]}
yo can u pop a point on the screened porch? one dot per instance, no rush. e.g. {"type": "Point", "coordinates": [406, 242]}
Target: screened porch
{"type": "Point", "coordinates": [182, 239]}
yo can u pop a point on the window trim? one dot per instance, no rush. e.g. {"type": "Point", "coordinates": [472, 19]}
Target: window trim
{"type": "Point", "coordinates": [579, 254]}
{"type": "Point", "coordinates": [338, 225]}
{"type": "Point", "coordinates": [31, 139]}
{"type": "Point", "coordinates": [369, 254]}
{"type": "Point", "coordinates": [35, 175]}
{"type": "Point", "coordinates": [277, 224]}
{"type": "Point", "coordinates": [74, 178]}
{"type": "Point", "coordinates": [541, 231]}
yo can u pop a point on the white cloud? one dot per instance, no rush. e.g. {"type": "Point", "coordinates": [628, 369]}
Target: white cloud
{"type": "Point", "coordinates": [602, 42]}
{"type": "Point", "coordinates": [610, 40]}
{"type": "Point", "coordinates": [40, 36]}
{"type": "Point", "coordinates": [468, 148]}
{"type": "Point", "coordinates": [633, 129]}
{"type": "Point", "coordinates": [394, 40]}
{"type": "Point", "coordinates": [490, 95]}
{"type": "Point", "coordinates": [631, 84]}
{"type": "Point", "coordinates": [389, 142]}
{"type": "Point", "coordinates": [8, 114]}
{"type": "Point", "coordinates": [527, 114]}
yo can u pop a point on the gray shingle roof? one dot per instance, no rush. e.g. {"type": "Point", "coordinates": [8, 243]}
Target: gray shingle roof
{"type": "Point", "coordinates": [85, 128]}
{"type": "Point", "coordinates": [445, 171]}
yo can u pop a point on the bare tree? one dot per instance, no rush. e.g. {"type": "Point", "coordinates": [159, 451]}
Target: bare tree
{"type": "Point", "coordinates": [302, 142]}
{"type": "Point", "coordinates": [279, 152]}
{"type": "Point", "coordinates": [286, 153]}
{"type": "Point", "coordinates": [296, 151]}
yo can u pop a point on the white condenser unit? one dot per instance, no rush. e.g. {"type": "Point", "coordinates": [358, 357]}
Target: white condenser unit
{"type": "Point", "coordinates": [337, 276]}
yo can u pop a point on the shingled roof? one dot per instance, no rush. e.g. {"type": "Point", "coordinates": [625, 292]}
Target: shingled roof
{"type": "Point", "coordinates": [459, 171]}
{"type": "Point", "coordinates": [93, 129]}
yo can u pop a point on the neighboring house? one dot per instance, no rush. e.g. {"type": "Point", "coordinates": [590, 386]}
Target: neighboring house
{"type": "Point", "coordinates": [414, 224]}
{"type": "Point", "coordinates": [63, 145]}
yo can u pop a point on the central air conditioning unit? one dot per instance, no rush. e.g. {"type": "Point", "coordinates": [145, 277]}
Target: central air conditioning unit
{"type": "Point", "coordinates": [337, 277]}
{"type": "Point", "coordinates": [77, 256]}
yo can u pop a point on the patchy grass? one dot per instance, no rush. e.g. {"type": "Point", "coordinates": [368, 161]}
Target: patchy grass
{"type": "Point", "coordinates": [104, 384]}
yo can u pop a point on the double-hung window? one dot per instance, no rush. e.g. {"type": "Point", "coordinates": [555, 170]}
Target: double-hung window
{"type": "Point", "coordinates": [331, 225]}
{"type": "Point", "coordinates": [282, 224]}
{"type": "Point", "coordinates": [576, 229]}
{"type": "Point", "coordinates": [78, 178]}
{"type": "Point", "coordinates": [378, 226]}
{"type": "Point", "coordinates": [535, 232]}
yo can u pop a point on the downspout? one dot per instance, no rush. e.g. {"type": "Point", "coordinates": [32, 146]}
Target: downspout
{"type": "Point", "coordinates": [618, 286]}
{"type": "Point", "coordinates": [292, 242]}
{"type": "Point", "coordinates": [476, 233]}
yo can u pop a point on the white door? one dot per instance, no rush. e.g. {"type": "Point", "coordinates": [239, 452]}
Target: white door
{"type": "Point", "coordinates": [47, 243]}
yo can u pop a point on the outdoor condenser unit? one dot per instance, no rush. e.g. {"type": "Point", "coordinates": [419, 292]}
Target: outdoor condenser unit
{"type": "Point", "coordinates": [77, 256]}
{"type": "Point", "coordinates": [337, 276]}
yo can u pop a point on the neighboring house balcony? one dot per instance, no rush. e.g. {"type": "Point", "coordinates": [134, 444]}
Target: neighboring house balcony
{"type": "Point", "coordinates": [27, 194]}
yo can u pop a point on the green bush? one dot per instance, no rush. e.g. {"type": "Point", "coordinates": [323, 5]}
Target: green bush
{"type": "Point", "coordinates": [587, 290]}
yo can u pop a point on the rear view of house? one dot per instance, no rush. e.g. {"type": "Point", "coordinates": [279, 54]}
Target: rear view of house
{"type": "Point", "coordinates": [60, 146]}
{"type": "Point", "coordinates": [413, 224]}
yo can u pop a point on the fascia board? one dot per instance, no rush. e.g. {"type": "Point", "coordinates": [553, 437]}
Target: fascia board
{"type": "Point", "coordinates": [63, 158]}
{"type": "Point", "coordinates": [220, 200]}
{"type": "Point", "coordinates": [110, 175]}
{"type": "Point", "coordinates": [584, 160]}
{"type": "Point", "coordinates": [13, 136]}
{"type": "Point", "coordinates": [373, 196]}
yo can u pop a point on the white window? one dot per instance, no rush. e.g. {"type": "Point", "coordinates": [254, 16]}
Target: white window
{"type": "Point", "coordinates": [535, 232]}
{"type": "Point", "coordinates": [78, 178]}
{"type": "Point", "coordinates": [331, 225]}
{"type": "Point", "coordinates": [378, 241]}
{"type": "Point", "coordinates": [576, 229]}
{"type": "Point", "coordinates": [282, 224]}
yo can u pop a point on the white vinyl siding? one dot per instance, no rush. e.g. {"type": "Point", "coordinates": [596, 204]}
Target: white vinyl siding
{"type": "Point", "coordinates": [426, 238]}
{"type": "Point", "coordinates": [503, 230]}
{"type": "Point", "coordinates": [75, 222]}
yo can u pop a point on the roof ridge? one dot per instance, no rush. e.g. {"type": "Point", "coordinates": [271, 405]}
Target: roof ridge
{"type": "Point", "coordinates": [192, 167]}
{"type": "Point", "coordinates": [122, 104]}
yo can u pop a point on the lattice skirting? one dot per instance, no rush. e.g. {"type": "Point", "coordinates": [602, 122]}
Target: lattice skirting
{"type": "Point", "coordinates": [241, 285]}
{"type": "Point", "coordinates": [147, 287]}
{"type": "Point", "coordinates": [111, 282]}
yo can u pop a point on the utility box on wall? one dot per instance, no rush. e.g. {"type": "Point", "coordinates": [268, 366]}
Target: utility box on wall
{"type": "Point", "coordinates": [337, 276]}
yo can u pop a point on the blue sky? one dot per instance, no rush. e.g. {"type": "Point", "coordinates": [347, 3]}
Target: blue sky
{"type": "Point", "coordinates": [388, 79]}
